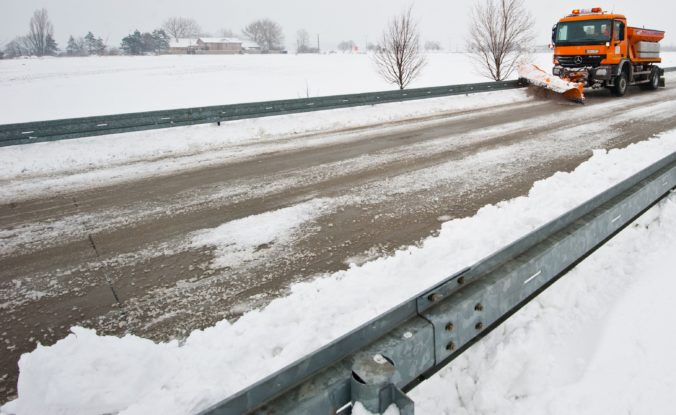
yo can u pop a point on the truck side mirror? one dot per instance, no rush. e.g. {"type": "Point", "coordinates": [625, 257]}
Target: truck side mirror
{"type": "Point", "coordinates": [554, 34]}
{"type": "Point", "coordinates": [621, 32]}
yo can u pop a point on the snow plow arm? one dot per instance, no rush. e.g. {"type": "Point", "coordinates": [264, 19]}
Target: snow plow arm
{"type": "Point", "coordinates": [532, 75]}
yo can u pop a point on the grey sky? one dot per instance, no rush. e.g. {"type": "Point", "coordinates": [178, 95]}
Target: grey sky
{"type": "Point", "coordinates": [358, 20]}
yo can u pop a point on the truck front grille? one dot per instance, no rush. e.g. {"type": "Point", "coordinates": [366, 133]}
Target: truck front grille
{"type": "Point", "coordinates": [578, 61]}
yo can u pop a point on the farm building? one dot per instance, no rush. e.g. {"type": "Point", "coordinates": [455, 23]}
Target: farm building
{"type": "Point", "coordinates": [182, 46]}
{"type": "Point", "coordinates": [219, 45]}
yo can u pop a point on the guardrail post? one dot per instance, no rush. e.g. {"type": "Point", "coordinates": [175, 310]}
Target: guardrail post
{"type": "Point", "coordinates": [373, 386]}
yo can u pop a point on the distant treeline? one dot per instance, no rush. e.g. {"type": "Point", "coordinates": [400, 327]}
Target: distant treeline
{"type": "Point", "coordinates": [39, 41]}
{"type": "Point", "coordinates": [267, 34]}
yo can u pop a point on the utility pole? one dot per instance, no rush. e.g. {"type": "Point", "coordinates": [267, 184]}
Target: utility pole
{"type": "Point", "coordinates": [318, 49]}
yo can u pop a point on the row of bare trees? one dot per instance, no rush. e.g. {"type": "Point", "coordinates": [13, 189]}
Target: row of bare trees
{"type": "Point", "coordinates": [501, 32]}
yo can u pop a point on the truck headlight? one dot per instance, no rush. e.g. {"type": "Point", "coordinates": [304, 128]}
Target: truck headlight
{"type": "Point", "coordinates": [602, 71]}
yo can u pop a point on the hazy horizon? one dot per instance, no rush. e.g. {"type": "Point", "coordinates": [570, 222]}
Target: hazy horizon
{"type": "Point", "coordinates": [359, 21]}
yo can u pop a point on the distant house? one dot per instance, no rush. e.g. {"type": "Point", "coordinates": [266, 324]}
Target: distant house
{"type": "Point", "coordinates": [219, 45]}
{"type": "Point", "coordinates": [182, 46]}
{"type": "Point", "coordinates": [212, 46]}
{"type": "Point", "coordinates": [250, 47]}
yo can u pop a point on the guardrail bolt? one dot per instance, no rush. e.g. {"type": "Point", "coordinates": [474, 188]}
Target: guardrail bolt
{"type": "Point", "coordinates": [479, 326]}
{"type": "Point", "coordinates": [434, 297]}
{"type": "Point", "coordinates": [450, 347]}
{"type": "Point", "coordinates": [449, 327]}
{"type": "Point", "coordinates": [479, 307]}
{"type": "Point", "coordinates": [461, 280]}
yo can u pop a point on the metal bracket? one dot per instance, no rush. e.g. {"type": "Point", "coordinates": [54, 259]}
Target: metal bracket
{"type": "Point", "coordinates": [373, 386]}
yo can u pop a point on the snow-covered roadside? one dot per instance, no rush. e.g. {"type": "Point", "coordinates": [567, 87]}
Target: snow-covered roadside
{"type": "Point", "coordinates": [85, 373]}
{"type": "Point", "coordinates": [29, 170]}
{"type": "Point", "coordinates": [599, 341]}
{"type": "Point", "coordinates": [115, 85]}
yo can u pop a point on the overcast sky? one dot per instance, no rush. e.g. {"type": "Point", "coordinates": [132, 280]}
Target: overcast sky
{"type": "Point", "coordinates": [445, 21]}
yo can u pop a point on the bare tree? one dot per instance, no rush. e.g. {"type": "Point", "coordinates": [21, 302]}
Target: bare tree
{"type": "Point", "coordinates": [178, 27]}
{"type": "Point", "coordinates": [226, 33]}
{"type": "Point", "coordinates": [432, 45]}
{"type": "Point", "coordinates": [302, 41]}
{"type": "Point", "coordinates": [41, 34]}
{"type": "Point", "coordinates": [399, 59]}
{"type": "Point", "coordinates": [346, 46]}
{"type": "Point", "coordinates": [266, 33]}
{"type": "Point", "coordinates": [501, 30]}
{"type": "Point", "coordinates": [19, 46]}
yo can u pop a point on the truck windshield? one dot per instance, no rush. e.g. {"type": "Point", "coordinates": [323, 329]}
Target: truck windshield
{"type": "Point", "coordinates": [583, 32]}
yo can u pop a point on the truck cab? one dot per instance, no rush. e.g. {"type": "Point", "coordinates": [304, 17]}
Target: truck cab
{"type": "Point", "coordinates": [598, 49]}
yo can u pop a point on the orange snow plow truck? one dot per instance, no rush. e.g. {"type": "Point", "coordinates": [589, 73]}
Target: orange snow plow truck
{"type": "Point", "coordinates": [596, 49]}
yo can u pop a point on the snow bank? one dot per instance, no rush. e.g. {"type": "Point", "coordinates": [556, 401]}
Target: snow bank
{"type": "Point", "coordinates": [600, 341]}
{"type": "Point", "coordinates": [86, 373]}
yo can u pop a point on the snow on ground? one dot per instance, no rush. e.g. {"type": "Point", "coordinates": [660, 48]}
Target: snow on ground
{"type": "Point", "coordinates": [240, 240]}
{"type": "Point", "coordinates": [54, 88]}
{"type": "Point", "coordinates": [86, 373]}
{"type": "Point", "coordinates": [49, 168]}
{"type": "Point", "coordinates": [29, 170]}
{"type": "Point", "coordinates": [597, 342]}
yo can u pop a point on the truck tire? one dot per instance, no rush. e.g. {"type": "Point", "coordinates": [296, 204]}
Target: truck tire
{"type": "Point", "coordinates": [621, 84]}
{"type": "Point", "coordinates": [654, 80]}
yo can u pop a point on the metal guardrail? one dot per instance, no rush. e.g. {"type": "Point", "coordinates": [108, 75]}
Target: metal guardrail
{"type": "Point", "coordinates": [33, 132]}
{"type": "Point", "coordinates": [376, 363]}
{"type": "Point", "coordinates": [40, 131]}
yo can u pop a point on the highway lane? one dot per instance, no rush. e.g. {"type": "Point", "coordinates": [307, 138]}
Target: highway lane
{"type": "Point", "coordinates": [123, 258]}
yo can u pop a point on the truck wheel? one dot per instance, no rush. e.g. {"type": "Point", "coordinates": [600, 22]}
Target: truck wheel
{"type": "Point", "coordinates": [654, 80]}
{"type": "Point", "coordinates": [621, 84]}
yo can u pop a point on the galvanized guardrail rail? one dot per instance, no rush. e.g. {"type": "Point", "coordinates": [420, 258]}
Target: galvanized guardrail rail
{"type": "Point", "coordinates": [40, 131]}
{"type": "Point", "coordinates": [33, 132]}
{"type": "Point", "coordinates": [381, 360]}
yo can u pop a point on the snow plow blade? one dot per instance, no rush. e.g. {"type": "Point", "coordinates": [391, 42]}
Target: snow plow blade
{"type": "Point", "coordinates": [533, 75]}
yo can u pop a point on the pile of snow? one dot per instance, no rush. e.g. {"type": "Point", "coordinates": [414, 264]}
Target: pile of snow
{"type": "Point", "coordinates": [87, 373]}
{"type": "Point", "coordinates": [600, 341]}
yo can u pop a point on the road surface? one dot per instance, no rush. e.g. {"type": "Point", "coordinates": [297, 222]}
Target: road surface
{"type": "Point", "coordinates": [126, 258]}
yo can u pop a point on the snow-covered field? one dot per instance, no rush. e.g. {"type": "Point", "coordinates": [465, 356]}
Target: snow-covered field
{"type": "Point", "coordinates": [53, 88]}
{"type": "Point", "coordinates": [580, 347]}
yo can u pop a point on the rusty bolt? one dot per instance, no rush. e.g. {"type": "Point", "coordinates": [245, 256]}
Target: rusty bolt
{"type": "Point", "coordinates": [479, 307]}
{"type": "Point", "coordinates": [479, 326]}
{"type": "Point", "coordinates": [449, 327]}
{"type": "Point", "coordinates": [450, 346]}
{"type": "Point", "coordinates": [461, 280]}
